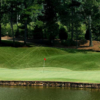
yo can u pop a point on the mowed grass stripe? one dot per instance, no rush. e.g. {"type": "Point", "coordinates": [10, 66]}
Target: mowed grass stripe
{"type": "Point", "coordinates": [17, 57]}
{"type": "Point", "coordinates": [34, 57]}
{"type": "Point", "coordinates": [48, 75]}
{"type": "Point", "coordinates": [61, 64]}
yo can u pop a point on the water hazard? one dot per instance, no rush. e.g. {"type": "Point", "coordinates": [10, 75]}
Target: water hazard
{"type": "Point", "coordinates": [47, 93]}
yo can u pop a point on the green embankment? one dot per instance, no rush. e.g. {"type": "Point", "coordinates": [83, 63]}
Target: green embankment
{"type": "Point", "coordinates": [61, 64]}
{"type": "Point", "coordinates": [62, 58]}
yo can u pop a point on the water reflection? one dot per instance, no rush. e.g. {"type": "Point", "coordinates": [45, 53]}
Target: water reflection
{"type": "Point", "coordinates": [47, 93]}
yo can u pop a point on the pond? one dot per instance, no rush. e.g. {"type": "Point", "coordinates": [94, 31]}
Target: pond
{"type": "Point", "coordinates": [47, 93]}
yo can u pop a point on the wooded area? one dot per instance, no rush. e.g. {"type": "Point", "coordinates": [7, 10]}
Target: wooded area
{"type": "Point", "coordinates": [67, 20]}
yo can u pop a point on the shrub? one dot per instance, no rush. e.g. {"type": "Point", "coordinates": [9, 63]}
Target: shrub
{"type": "Point", "coordinates": [6, 29]}
{"type": "Point", "coordinates": [83, 41]}
{"type": "Point", "coordinates": [69, 42]}
{"type": "Point", "coordinates": [3, 30]}
{"type": "Point", "coordinates": [19, 33]}
{"type": "Point", "coordinates": [63, 35]}
{"type": "Point", "coordinates": [37, 33]}
{"type": "Point", "coordinates": [22, 26]}
{"type": "Point", "coordinates": [51, 30]}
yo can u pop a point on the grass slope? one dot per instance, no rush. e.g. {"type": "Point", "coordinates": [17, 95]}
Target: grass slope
{"type": "Point", "coordinates": [60, 58]}
{"type": "Point", "coordinates": [61, 64]}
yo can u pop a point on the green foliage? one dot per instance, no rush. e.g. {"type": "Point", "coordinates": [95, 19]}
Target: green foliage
{"type": "Point", "coordinates": [68, 42]}
{"type": "Point", "coordinates": [49, 16]}
{"type": "Point", "coordinates": [51, 31]}
{"type": "Point", "coordinates": [30, 11]}
{"type": "Point", "coordinates": [83, 41]}
{"type": "Point", "coordinates": [49, 11]}
{"type": "Point", "coordinates": [22, 26]}
{"type": "Point", "coordinates": [96, 30]}
{"type": "Point", "coordinates": [6, 29]}
{"type": "Point", "coordinates": [37, 33]}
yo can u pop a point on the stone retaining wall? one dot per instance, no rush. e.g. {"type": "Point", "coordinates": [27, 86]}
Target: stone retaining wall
{"type": "Point", "coordinates": [50, 84]}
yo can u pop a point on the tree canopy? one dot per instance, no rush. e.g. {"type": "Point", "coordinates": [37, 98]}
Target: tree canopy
{"type": "Point", "coordinates": [52, 14]}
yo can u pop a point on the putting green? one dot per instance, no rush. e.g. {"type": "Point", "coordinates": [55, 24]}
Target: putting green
{"type": "Point", "coordinates": [49, 74]}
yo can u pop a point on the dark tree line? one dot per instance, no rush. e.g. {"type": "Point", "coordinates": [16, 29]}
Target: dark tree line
{"type": "Point", "coordinates": [70, 13]}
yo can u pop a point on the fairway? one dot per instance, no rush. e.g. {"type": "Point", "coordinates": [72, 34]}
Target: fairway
{"type": "Point", "coordinates": [49, 74]}
{"type": "Point", "coordinates": [61, 64]}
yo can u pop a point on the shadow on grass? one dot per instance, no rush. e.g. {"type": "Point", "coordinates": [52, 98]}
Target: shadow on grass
{"type": "Point", "coordinates": [83, 46]}
{"type": "Point", "coordinates": [6, 43]}
{"type": "Point", "coordinates": [73, 50]}
{"type": "Point", "coordinates": [18, 43]}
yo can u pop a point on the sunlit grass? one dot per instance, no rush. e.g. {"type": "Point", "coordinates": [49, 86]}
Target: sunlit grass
{"type": "Point", "coordinates": [26, 63]}
{"type": "Point", "coordinates": [49, 74]}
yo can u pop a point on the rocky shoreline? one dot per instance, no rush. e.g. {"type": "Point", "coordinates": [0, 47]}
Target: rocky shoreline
{"type": "Point", "coordinates": [50, 84]}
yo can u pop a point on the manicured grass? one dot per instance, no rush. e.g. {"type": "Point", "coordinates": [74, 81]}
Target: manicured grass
{"type": "Point", "coordinates": [34, 57]}
{"type": "Point", "coordinates": [61, 65]}
{"type": "Point", "coordinates": [50, 74]}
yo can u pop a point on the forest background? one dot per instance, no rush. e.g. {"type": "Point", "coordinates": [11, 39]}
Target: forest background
{"type": "Point", "coordinates": [70, 21]}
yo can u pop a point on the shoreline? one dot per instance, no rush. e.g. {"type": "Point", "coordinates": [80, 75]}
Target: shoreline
{"type": "Point", "coordinates": [50, 84]}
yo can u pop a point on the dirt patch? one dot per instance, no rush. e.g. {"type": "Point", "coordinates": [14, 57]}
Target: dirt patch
{"type": "Point", "coordinates": [95, 47]}
{"type": "Point", "coordinates": [6, 38]}
{"type": "Point", "coordinates": [85, 46]}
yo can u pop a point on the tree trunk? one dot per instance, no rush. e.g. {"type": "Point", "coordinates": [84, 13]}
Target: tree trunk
{"type": "Point", "coordinates": [76, 37]}
{"type": "Point", "coordinates": [72, 23]}
{"type": "Point", "coordinates": [12, 31]}
{"type": "Point", "coordinates": [90, 33]}
{"type": "Point", "coordinates": [17, 33]}
{"type": "Point", "coordinates": [25, 35]}
{"type": "Point", "coordinates": [72, 31]}
{"type": "Point", "coordinates": [0, 20]}
{"type": "Point", "coordinates": [11, 22]}
{"type": "Point", "coordinates": [0, 33]}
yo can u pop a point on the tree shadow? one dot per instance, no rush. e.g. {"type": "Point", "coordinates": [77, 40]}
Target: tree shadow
{"type": "Point", "coordinates": [46, 43]}
{"type": "Point", "coordinates": [73, 50]}
{"type": "Point", "coordinates": [83, 46]}
{"type": "Point", "coordinates": [7, 43]}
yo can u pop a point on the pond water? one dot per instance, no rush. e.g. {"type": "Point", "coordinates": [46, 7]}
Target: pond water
{"type": "Point", "coordinates": [47, 93]}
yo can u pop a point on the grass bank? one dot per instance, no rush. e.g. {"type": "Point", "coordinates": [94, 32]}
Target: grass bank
{"type": "Point", "coordinates": [31, 57]}
{"type": "Point", "coordinates": [26, 63]}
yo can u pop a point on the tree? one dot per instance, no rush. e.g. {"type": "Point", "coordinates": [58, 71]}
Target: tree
{"type": "Point", "coordinates": [96, 30]}
{"type": "Point", "coordinates": [0, 20]}
{"type": "Point", "coordinates": [1, 15]}
{"type": "Point", "coordinates": [49, 19]}
{"type": "Point", "coordinates": [30, 12]}
{"type": "Point", "coordinates": [67, 14]}
{"type": "Point", "coordinates": [12, 7]}
{"type": "Point", "coordinates": [89, 13]}
{"type": "Point", "coordinates": [73, 6]}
